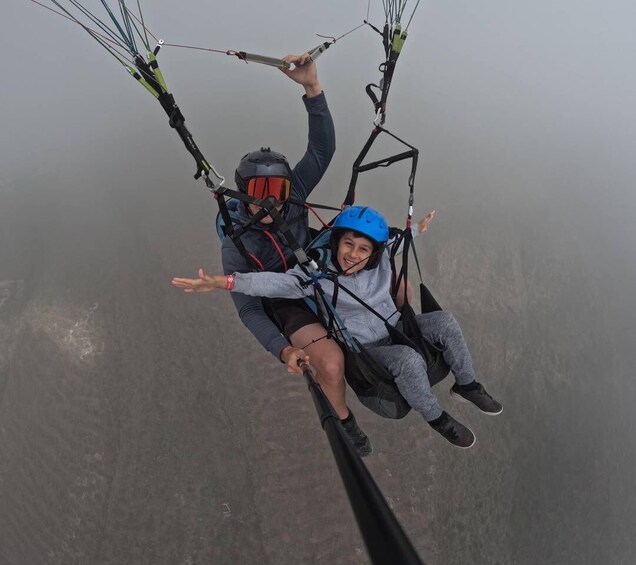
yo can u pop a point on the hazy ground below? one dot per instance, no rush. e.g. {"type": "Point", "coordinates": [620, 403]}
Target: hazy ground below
{"type": "Point", "coordinates": [140, 425]}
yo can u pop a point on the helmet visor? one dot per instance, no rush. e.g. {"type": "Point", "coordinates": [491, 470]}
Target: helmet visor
{"type": "Point", "coordinates": [263, 187]}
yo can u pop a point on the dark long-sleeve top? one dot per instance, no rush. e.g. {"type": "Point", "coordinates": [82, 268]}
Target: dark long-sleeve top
{"type": "Point", "coordinates": [305, 176]}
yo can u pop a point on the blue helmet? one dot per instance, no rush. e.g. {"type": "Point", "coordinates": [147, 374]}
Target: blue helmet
{"type": "Point", "coordinates": [365, 221]}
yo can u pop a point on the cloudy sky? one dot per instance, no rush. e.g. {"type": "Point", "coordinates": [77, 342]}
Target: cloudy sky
{"type": "Point", "coordinates": [524, 116]}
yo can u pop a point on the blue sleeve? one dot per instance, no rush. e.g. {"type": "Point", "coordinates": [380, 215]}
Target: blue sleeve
{"type": "Point", "coordinates": [250, 308]}
{"type": "Point", "coordinates": [320, 147]}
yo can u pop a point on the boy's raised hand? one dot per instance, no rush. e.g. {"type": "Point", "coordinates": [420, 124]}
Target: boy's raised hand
{"type": "Point", "coordinates": [422, 225]}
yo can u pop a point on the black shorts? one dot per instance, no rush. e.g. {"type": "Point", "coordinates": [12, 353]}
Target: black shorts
{"type": "Point", "coordinates": [290, 314]}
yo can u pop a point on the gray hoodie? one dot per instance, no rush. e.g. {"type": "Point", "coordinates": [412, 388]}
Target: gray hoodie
{"type": "Point", "coordinates": [373, 287]}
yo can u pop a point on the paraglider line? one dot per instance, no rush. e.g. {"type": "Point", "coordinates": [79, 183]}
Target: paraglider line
{"type": "Point", "coordinates": [201, 48]}
{"type": "Point", "coordinates": [141, 22]}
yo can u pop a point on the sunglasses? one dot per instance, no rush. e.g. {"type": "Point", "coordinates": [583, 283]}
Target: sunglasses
{"type": "Point", "coordinates": [263, 187]}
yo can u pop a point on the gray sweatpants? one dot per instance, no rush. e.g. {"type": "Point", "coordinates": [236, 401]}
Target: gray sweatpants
{"type": "Point", "coordinates": [409, 367]}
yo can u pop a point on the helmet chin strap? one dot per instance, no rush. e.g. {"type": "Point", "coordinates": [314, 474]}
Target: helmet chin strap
{"type": "Point", "coordinates": [372, 260]}
{"type": "Point", "coordinates": [264, 211]}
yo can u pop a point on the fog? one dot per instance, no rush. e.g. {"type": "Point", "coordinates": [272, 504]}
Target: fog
{"type": "Point", "coordinates": [140, 425]}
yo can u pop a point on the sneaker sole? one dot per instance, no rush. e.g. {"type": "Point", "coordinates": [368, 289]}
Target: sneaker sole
{"type": "Point", "coordinates": [464, 446]}
{"type": "Point", "coordinates": [459, 446]}
{"type": "Point", "coordinates": [462, 399]}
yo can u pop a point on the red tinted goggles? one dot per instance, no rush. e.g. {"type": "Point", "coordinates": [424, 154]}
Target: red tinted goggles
{"type": "Point", "coordinates": [263, 187]}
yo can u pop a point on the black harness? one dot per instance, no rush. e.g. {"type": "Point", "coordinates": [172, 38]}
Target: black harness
{"type": "Point", "coordinates": [372, 383]}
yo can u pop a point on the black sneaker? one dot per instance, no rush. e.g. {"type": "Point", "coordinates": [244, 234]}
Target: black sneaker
{"type": "Point", "coordinates": [451, 430]}
{"type": "Point", "coordinates": [479, 397]}
{"type": "Point", "coordinates": [359, 439]}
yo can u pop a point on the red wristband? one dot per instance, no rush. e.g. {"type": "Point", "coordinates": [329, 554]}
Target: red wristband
{"type": "Point", "coordinates": [230, 282]}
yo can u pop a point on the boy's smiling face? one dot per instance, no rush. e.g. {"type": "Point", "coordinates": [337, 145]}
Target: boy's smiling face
{"type": "Point", "coordinates": [354, 251]}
